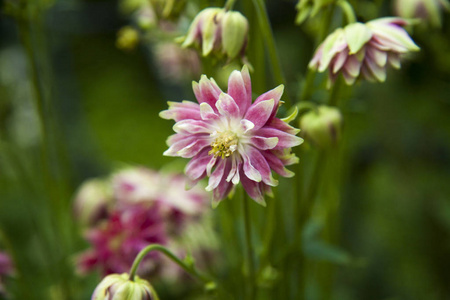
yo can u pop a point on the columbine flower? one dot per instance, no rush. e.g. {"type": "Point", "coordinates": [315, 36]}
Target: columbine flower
{"type": "Point", "coordinates": [230, 139]}
{"type": "Point", "coordinates": [429, 10]}
{"type": "Point", "coordinates": [120, 287]}
{"type": "Point", "coordinates": [117, 241]}
{"type": "Point", "coordinates": [141, 185]}
{"type": "Point", "coordinates": [363, 50]}
{"type": "Point", "coordinates": [217, 30]}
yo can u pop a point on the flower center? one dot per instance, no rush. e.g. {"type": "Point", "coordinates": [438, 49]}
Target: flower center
{"type": "Point", "coordinates": [224, 145]}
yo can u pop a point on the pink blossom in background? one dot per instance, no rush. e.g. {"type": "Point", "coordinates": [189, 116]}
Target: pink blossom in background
{"type": "Point", "coordinates": [117, 241]}
{"type": "Point", "coordinates": [230, 139]}
{"type": "Point", "coordinates": [363, 50]}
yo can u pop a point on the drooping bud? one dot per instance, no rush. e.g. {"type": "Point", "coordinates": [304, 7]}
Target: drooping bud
{"type": "Point", "coordinates": [428, 10]}
{"type": "Point", "coordinates": [120, 287]}
{"type": "Point", "coordinates": [322, 126]}
{"type": "Point", "coordinates": [127, 38]}
{"type": "Point", "coordinates": [217, 31]}
{"type": "Point", "coordinates": [91, 202]}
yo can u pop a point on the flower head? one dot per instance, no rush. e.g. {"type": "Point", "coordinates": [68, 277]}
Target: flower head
{"type": "Point", "coordinates": [120, 287]}
{"type": "Point", "coordinates": [218, 30]}
{"type": "Point", "coordinates": [363, 50]}
{"type": "Point", "coordinates": [230, 139]}
{"type": "Point", "coordinates": [429, 10]}
{"type": "Point", "coordinates": [117, 241]}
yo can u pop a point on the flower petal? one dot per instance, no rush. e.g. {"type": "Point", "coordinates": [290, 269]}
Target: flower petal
{"type": "Point", "coordinates": [181, 111]}
{"type": "Point", "coordinates": [217, 175]}
{"type": "Point", "coordinates": [276, 164]}
{"type": "Point", "coordinates": [238, 90]}
{"type": "Point", "coordinates": [285, 140]}
{"type": "Point", "coordinates": [254, 159]}
{"type": "Point", "coordinates": [196, 167]}
{"type": "Point", "coordinates": [264, 143]}
{"type": "Point", "coordinates": [259, 113]}
{"type": "Point", "coordinates": [207, 112]}
{"type": "Point", "coordinates": [227, 106]}
{"type": "Point", "coordinates": [206, 90]}
{"type": "Point", "coordinates": [274, 94]}
{"type": "Point", "coordinates": [253, 189]}
{"type": "Point", "coordinates": [192, 127]}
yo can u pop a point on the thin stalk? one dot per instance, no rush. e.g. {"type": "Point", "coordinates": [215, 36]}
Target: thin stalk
{"type": "Point", "coordinates": [267, 33]}
{"type": "Point", "coordinates": [348, 11]}
{"type": "Point", "coordinates": [249, 247]}
{"type": "Point", "coordinates": [229, 5]}
{"type": "Point", "coordinates": [156, 247]}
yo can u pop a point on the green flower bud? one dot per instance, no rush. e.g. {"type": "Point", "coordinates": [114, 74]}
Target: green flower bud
{"type": "Point", "coordinates": [322, 126]}
{"type": "Point", "coordinates": [234, 33]}
{"type": "Point", "coordinates": [217, 31]}
{"type": "Point", "coordinates": [127, 38]}
{"type": "Point", "coordinates": [120, 287]}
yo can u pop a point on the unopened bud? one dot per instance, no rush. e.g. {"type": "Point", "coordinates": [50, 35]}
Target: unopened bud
{"type": "Point", "coordinates": [218, 32]}
{"type": "Point", "coordinates": [322, 126]}
{"type": "Point", "coordinates": [120, 287]}
{"type": "Point", "coordinates": [127, 38]}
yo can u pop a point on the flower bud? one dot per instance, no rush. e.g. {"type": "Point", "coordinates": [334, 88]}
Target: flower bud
{"type": "Point", "coordinates": [219, 32]}
{"type": "Point", "coordinates": [127, 38]}
{"type": "Point", "coordinates": [322, 126]}
{"type": "Point", "coordinates": [120, 287]}
{"type": "Point", "coordinates": [91, 202]}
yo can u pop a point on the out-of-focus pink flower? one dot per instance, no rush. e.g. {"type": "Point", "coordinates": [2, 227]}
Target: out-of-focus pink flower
{"type": "Point", "coordinates": [91, 202]}
{"type": "Point", "coordinates": [230, 139]}
{"type": "Point", "coordinates": [141, 185]}
{"type": "Point", "coordinates": [117, 241]}
{"type": "Point", "coordinates": [429, 10]}
{"type": "Point", "coordinates": [6, 269]}
{"type": "Point", "coordinates": [363, 50]}
{"type": "Point", "coordinates": [176, 63]}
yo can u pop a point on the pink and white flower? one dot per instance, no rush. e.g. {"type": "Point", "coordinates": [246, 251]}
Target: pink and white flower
{"type": "Point", "coordinates": [230, 139]}
{"type": "Point", "coordinates": [363, 50]}
{"type": "Point", "coordinates": [118, 240]}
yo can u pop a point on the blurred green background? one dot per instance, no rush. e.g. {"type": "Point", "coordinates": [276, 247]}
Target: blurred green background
{"type": "Point", "coordinates": [101, 106]}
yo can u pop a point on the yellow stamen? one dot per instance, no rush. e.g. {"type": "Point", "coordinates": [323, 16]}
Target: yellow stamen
{"type": "Point", "coordinates": [224, 145]}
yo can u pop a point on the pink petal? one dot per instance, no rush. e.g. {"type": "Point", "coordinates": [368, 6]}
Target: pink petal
{"type": "Point", "coordinates": [253, 189]}
{"type": "Point", "coordinates": [283, 126]}
{"type": "Point", "coordinates": [339, 61]}
{"type": "Point", "coordinates": [223, 188]}
{"type": "Point", "coordinates": [274, 94]}
{"type": "Point", "coordinates": [192, 127]}
{"type": "Point", "coordinates": [352, 66]}
{"type": "Point", "coordinates": [227, 106]}
{"type": "Point", "coordinates": [257, 161]}
{"type": "Point", "coordinates": [285, 140]}
{"type": "Point", "coordinates": [206, 91]}
{"type": "Point", "coordinates": [196, 167]}
{"type": "Point", "coordinates": [276, 164]}
{"type": "Point", "coordinates": [217, 175]}
{"type": "Point", "coordinates": [263, 143]}
{"type": "Point", "coordinates": [207, 112]}
{"type": "Point", "coordinates": [181, 111]}
{"type": "Point", "coordinates": [238, 91]}
{"type": "Point", "coordinates": [259, 113]}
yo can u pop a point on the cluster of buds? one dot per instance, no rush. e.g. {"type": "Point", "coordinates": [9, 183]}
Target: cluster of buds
{"type": "Point", "coordinates": [363, 50]}
{"type": "Point", "coordinates": [322, 126]}
{"type": "Point", "coordinates": [428, 10]}
{"type": "Point", "coordinates": [218, 31]}
{"type": "Point", "coordinates": [120, 287]}
{"type": "Point", "coordinates": [132, 209]}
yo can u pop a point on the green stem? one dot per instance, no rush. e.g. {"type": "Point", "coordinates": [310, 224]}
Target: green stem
{"type": "Point", "coordinates": [267, 33]}
{"type": "Point", "coordinates": [335, 90]}
{"type": "Point", "coordinates": [229, 5]}
{"type": "Point", "coordinates": [249, 247]}
{"type": "Point", "coordinates": [348, 11]}
{"type": "Point", "coordinates": [156, 247]}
